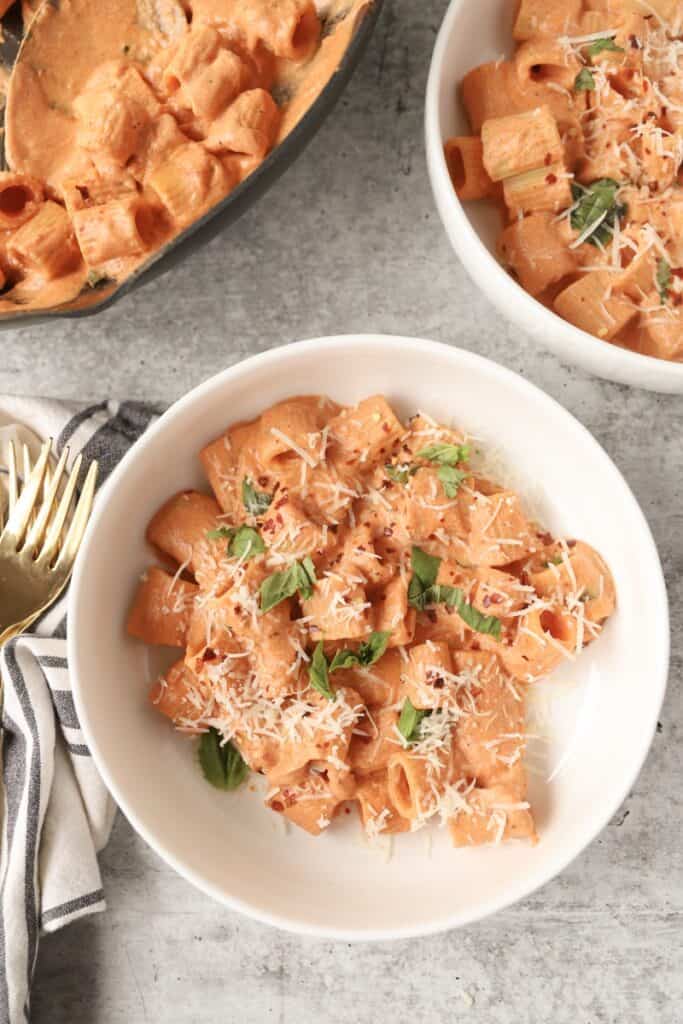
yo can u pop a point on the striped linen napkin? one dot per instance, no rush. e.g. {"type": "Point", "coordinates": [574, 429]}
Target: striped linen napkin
{"type": "Point", "coordinates": [56, 813]}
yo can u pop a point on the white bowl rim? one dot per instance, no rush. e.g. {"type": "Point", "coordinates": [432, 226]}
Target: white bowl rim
{"type": "Point", "coordinates": [599, 357]}
{"type": "Point", "coordinates": [661, 644]}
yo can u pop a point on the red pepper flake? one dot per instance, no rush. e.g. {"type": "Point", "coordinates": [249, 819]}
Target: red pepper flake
{"type": "Point", "coordinates": [277, 806]}
{"type": "Point", "coordinates": [634, 42]}
{"type": "Point", "coordinates": [550, 179]}
{"type": "Point", "coordinates": [548, 159]}
{"type": "Point", "coordinates": [262, 481]}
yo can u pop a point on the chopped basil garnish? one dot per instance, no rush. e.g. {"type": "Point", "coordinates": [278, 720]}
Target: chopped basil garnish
{"type": "Point", "coordinates": [222, 532]}
{"type": "Point", "coordinates": [410, 721]}
{"type": "Point", "coordinates": [600, 45]}
{"type": "Point", "coordinates": [255, 502]}
{"type": "Point", "coordinates": [243, 541]}
{"type": "Point", "coordinates": [447, 457]}
{"type": "Point", "coordinates": [300, 576]}
{"type": "Point", "coordinates": [424, 591]}
{"type": "Point", "coordinates": [663, 279]}
{"type": "Point", "coordinates": [400, 474]}
{"type": "Point", "coordinates": [445, 454]}
{"type": "Point", "coordinates": [584, 81]}
{"type": "Point", "coordinates": [222, 764]}
{"type": "Point", "coordinates": [451, 478]}
{"type": "Point", "coordinates": [370, 651]}
{"type": "Point", "coordinates": [598, 206]}
{"type": "Point", "coordinates": [425, 571]}
{"type": "Point", "coordinates": [318, 673]}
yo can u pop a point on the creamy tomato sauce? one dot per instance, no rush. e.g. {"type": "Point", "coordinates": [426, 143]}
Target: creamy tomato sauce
{"type": "Point", "coordinates": [358, 613]}
{"type": "Point", "coordinates": [127, 120]}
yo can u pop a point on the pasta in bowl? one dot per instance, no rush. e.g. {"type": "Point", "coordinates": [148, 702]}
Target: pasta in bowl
{"type": "Point", "coordinates": [226, 837]}
{"type": "Point", "coordinates": [363, 628]}
{"type": "Point", "coordinates": [587, 227]}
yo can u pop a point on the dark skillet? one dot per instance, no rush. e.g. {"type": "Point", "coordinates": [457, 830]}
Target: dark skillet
{"type": "Point", "coordinates": [219, 217]}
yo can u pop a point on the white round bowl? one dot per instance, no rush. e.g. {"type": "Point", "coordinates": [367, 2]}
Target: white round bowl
{"type": "Point", "coordinates": [471, 34]}
{"type": "Point", "coordinates": [597, 732]}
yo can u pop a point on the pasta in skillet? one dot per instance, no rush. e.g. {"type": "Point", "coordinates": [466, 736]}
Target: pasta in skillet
{"type": "Point", "coordinates": [162, 109]}
{"type": "Point", "coordinates": [361, 614]}
{"type": "Point", "coordinates": [579, 138]}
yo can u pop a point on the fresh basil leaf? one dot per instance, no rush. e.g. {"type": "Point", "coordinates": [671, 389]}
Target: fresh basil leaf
{"type": "Point", "coordinates": [451, 478]}
{"type": "Point", "coordinates": [471, 616]}
{"type": "Point", "coordinates": [598, 206]}
{"type": "Point", "coordinates": [416, 593]}
{"type": "Point", "coordinates": [243, 541]}
{"type": "Point", "coordinates": [222, 533]}
{"type": "Point", "coordinates": [584, 81]}
{"type": "Point", "coordinates": [425, 567]}
{"type": "Point", "coordinates": [255, 502]}
{"type": "Point", "coordinates": [306, 578]}
{"type": "Point", "coordinates": [425, 571]}
{"type": "Point", "coordinates": [555, 560]}
{"type": "Point", "coordinates": [300, 576]}
{"type": "Point", "coordinates": [246, 543]}
{"type": "Point", "coordinates": [400, 474]}
{"type": "Point", "coordinates": [344, 659]}
{"type": "Point", "coordinates": [410, 720]}
{"type": "Point", "coordinates": [445, 454]}
{"type": "Point", "coordinates": [222, 764]}
{"type": "Point", "coordinates": [663, 279]}
{"type": "Point", "coordinates": [318, 673]}
{"type": "Point", "coordinates": [279, 587]}
{"type": "Point", "coordinates": [370, 651]}
{"type": "Point", "coordinates": [423, 590]}
{"type": "Point", "coordinates": [600, 45]}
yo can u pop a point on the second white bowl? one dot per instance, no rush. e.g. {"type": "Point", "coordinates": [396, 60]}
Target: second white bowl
{"type": "Point", "coordinates": [471, 34]}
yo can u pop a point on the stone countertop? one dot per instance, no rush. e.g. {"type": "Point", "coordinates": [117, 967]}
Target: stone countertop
{"type": "Point", "coordinates": [349, 241]}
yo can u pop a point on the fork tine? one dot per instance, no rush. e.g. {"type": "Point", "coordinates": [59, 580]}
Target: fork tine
{"type": "Point", "coordinates": [13, 482]}
{"type": "Point", "coordinates": [51, 543]}
{"type": "Point", "coordinates": [26, 458]}
{"type": "Point", "coordinates": [21, 513]}
{"type": "Point", "coordinates": [25, 475]}
{"type": "Point", "coordinates": [51, 487]}
{"type": "Point", "coordinates": [79, 522]}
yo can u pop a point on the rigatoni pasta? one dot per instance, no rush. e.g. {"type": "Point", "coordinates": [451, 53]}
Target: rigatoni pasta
{"type": "Point", "coordinates": [362, 613]}
{"type": "Point", "coordinates": [582, 131]}
{"type": "Point", "coordinates": [160, 110]}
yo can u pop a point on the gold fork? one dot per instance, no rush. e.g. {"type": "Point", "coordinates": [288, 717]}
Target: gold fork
{"type": "Point", "coordinates": [39, 542]}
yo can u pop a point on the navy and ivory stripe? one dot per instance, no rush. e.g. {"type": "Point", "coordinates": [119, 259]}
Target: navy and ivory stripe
{"type": "Point", "coordinates": [56, 812]}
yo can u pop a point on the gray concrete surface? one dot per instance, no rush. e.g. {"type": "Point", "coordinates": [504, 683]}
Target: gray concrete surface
{"type": "Point", "coordinates": [349, 240]}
